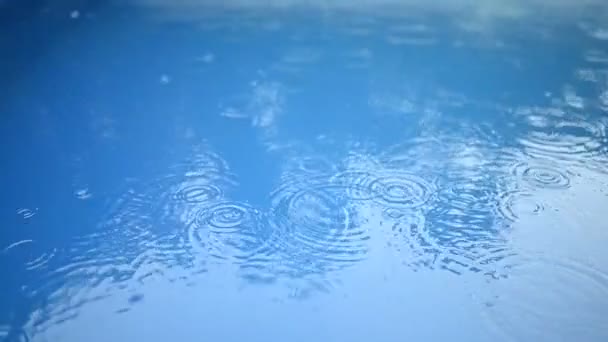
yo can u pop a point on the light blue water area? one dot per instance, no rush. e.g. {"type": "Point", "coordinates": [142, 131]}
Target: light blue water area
{"type": "Point", "coordinates": [304, 170]}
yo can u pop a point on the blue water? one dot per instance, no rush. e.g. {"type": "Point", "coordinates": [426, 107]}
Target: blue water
{"type": "Point", "coordinates": [304, 170]}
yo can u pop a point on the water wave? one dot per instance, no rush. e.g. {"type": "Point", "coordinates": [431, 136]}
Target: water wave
{"type": "Point", "coordinates": [356, 183]}
{"type": "Point", "coordinates": [27, 213]}
{"type": "Point", "coordinates": [28, 253]}
{"type": "Point", "coordinates": [576, 142]}
{"type": "Point", "coordinates": [409, 237]}
{"type": "Point", "coordinates": [203, 193]}
{"type": "Point", "coordinates": [231, 231]}
{"type": "Point", "coordinates": [145, 228]}
{"type": "Point", "coordinates": [521, 308]}
{"type": "Point", "coordinates": [461, 222]}
{"type": "Point", "coordinates": [401, 189]}
{"type": "Point", "coordinates": [542, 176]}
{"type": "Point", "coordinates": [317, 227]}
{"type": "Point", "coordinates": [391, 188]}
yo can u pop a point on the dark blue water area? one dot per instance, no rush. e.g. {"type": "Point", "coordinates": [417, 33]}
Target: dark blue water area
{"type": "Point", "coordinates": [303, 170]}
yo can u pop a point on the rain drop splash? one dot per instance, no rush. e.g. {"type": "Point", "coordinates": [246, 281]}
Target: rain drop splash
{"type": "Point", "coordinates": [227, 216]}
{"type": "Point", "coordinates": [513, 205]}
{"type": "Point", "coordinates": [541, 176]}
{"type": "Point", "coordinates": [230, 231]}
{"type": "Point", "coordinates": [317, 227]}
{"type": "Point", "coordinates": [391, 188]}
{"type": "Point", "coordinates": [147, 227]}
{"type": "Point", "coordinates": [198, 193]}
{"type": "Point", "coordinates": [398, 189]}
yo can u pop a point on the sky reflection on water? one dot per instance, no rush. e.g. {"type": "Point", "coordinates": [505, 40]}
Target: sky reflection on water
{"type": "Point", "coordinates": [328, 170]}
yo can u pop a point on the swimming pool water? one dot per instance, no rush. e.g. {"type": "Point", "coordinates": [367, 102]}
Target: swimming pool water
{"type": "Point", "coordinates": [304, 171]}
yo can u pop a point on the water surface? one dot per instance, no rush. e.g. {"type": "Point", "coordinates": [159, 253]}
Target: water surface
{"type": "Point", "coordinates": [296, 171]}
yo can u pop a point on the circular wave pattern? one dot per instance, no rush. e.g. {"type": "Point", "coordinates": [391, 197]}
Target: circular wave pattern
{"type": "Point", "coordinates": [389, 188]}
{"type": "Point", "coordinates": [541, 176]}
{"type": "Point", "coordinates": [467, 198]}
{"type": "Point", "coordinates": [316, 227]}
{"type": "Point", "coordinates": [228, 215]}
{"type": "Point", "coordinates": [357, 184]}
{"type": "Point", "coordinates": [401, 190]}
{"type": "Point", "coordinates": [150, 223]}
{"type": "Point", "coordinates": [198, 193]}
{"type": "Point", "coordinates": [559, 299]}
{"type": "Point", "coordinates": [513, 205]}
{"type": "Point", "coordinates": [575, 141]}
{"type": "Point", "coordinates": [230, 231]}
{"type": "Point", "coordinates": [180, 198]}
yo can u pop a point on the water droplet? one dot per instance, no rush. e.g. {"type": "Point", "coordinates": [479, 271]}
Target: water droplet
{"type": "Point", "coordinates": [83, 194]}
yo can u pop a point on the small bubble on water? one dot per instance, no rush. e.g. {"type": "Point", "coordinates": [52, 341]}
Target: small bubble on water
{"type": "Point", "coordinates": [207, 58]}
{"type": "Point", "coordinates": [83, 194]}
